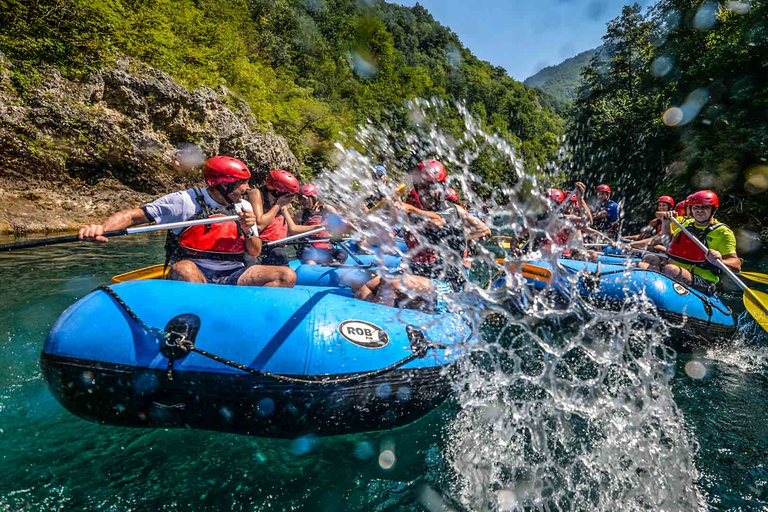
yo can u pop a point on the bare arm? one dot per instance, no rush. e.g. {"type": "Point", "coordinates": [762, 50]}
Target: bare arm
{"type": "Point", "coordinates": [431, 216]}
{"type": "Point", "coordinates": [476, 227]}
{"type": "Point", "coordinates": [257, 202]}
{"type": "Point", "coordinates": [733, 262]}
{"type": "Point", "coordinates": [119, 220]}
{"type": "Point", "coordinates": [293, 228]}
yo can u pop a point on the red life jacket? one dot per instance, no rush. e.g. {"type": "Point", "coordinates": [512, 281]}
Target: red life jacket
{"type": "Point", "coordinates": [222, 238]}
{"type": "Point", "coordinates": [414, 200]}
{"type": "Point", "coordinates": [312, 218]}
{"type": "Point", "coordinates": [278, 228]}
{"type": "Point", "coordinates": [219, 242]}
{"type": "Point", "coordinates": [685, 250]}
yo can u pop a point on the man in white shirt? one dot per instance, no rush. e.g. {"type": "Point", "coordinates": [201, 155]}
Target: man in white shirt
{"type": "Point", "coordinates": [212, 253]}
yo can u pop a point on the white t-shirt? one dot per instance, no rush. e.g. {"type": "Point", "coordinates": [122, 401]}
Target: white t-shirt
{"type": "Point", "coordinates": [181, 206]}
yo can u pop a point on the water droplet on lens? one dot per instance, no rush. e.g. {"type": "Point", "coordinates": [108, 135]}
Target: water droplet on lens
{"type": "Point", "coordinates": [706, 16]}
{"type": "Point", "coordinates": [265, 407]}
{"type": "Point", "coordinates": [387, 459]}
{"type": "Point", "coordinates": [672, 116]}
{"type": "Point", "coordinates": [738, 7]}
{"type": "Point", "coordinates": [303, 445]}
{"type": "Point", "coordinates": [363, 450]}
{"type": "Point", "coordinates": [404, 393]}
{"type": "Point", "coordinates": [756, 181]}
{"type": "Point", "coordinates": [384, 390]}
{"type": "Point", "coordinates": [662, 65]}
{"type": "Point", "coordinates": [695, 369]}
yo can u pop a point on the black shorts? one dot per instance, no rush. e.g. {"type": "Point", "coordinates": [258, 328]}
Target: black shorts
{"type": "Point", "coordinates": [277, 257]}
{"type": "Point", "coordinates": [228, 277]}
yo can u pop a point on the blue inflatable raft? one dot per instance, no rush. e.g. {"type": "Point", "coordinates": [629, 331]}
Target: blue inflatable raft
{"type": "Point", "coordinates": [260, 361]}
{"type": "Point", "coordinates": [696, 319]}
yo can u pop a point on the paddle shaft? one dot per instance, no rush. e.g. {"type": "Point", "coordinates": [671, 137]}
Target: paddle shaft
{"type": "Point", "coordinates": [295, 237]}
{"type": "Point", "coordinates": [566, 200]}
{"type": "Point", "coordinates": [722, 266]}
{"type": "Point", "coordinates": [27, 244]}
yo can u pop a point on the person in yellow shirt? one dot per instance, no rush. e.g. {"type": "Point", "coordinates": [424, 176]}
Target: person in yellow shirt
{"type": "Point", "coordinates": [689, 264]}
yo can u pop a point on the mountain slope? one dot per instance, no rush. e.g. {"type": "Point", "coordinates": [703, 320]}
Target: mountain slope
{"type": "Point", "coordinates": [562, 80]}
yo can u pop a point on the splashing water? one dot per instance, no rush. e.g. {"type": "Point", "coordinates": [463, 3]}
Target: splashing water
{"type": "Point", "coordinates": [563, 406]}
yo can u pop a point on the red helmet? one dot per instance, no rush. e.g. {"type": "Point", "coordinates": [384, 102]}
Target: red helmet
{"type": "Point", "coordinates": [680, 208]}
{"type": "Point", "coordinates": [282, 181]}
{"type": "Point", "coordinates": [666, 199]}
{"type": "Point", "coordinates": [308, 189]}
{"type": "Point", "coordinates": [224, 169]}
{"type": "Point", "coordinates": [603, 188]}
{"type": "Point", "coordinates": [452, 195]}
{"type": "Point", "coordinates": [556, 195]}
{"type": "Point", "coordinates": [429, 171]}
{"type": "Point", "coordinates": [704, 197]}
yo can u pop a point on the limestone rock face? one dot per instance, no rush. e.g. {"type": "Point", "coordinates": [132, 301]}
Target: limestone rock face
{"type": "Point", "coordinates": [126, 135]}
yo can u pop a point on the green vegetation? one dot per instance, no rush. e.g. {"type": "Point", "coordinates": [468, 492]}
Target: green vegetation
{"type": "Point", "coordinates": [310, 69]}
{"type": "Point", "coordinates": [562, 80]}
{"type": "Point", "coordinates": [679, 104]}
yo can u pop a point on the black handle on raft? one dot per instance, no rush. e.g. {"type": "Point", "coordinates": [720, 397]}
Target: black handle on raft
{"type": "Point", "coordinates": [28, 244]}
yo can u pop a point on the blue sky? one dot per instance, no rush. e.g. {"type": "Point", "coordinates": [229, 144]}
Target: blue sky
{"type": "Point", "coordinates": [525, 36]}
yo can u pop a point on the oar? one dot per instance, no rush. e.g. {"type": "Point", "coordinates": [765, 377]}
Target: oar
{"type": "Point", "coordinates": [755, 302]}
{"type": "Point", "coordinates": [285, 240]}
{"type": "Point", "coordinates": [596, 232]}
{"type": "Point", "coordinates": [153, 272]}
{"type": "Point", "coordinates": [755, 276]}
{"type": "Point", "coordinates": [566, 200]}
{"type": "Point", "coordinates": [119, 232]}
{"type": "Point", "coordinates": [399, 191]}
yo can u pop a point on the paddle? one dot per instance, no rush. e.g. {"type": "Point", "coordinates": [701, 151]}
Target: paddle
{"type": "Point", "coordinates": [755, 302]}
{"type": "Point", "coordinates": [755, 276]}
{"type": "Point", "coordinates": [566, 200]}
{"type": "Point", "coordinates": [398, 191]}
{"type": "Point", "coordinates": [295, 237]}
{"type": "Point", "coordinates": [27, 244]}
{"type": "Point", "coordinates": [153, 272]}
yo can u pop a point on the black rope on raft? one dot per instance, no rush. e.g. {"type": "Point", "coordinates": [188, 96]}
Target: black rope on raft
{"type": "Point", "coordinates": [177, 346]}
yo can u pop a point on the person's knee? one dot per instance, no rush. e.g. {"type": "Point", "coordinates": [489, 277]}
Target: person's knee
{"type": "Point", "coordinates": [673, 271]}
{"type": "Point", "coordinates": [185, 270]}
{"type": "Point", "coordinates": [287, 277]}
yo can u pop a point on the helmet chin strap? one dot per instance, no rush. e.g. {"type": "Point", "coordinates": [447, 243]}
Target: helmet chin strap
{"type": "Point", "coordinates": [225, 191]}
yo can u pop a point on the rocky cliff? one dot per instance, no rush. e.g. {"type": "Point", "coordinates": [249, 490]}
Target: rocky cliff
{"type": "Point", "coordinates": [73, 152]}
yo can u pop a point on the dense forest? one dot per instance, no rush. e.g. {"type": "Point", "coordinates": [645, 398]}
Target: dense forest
{"type": "Point", "coordinates": [311, 70]}
{"type": "Point", "coordinates": [562, 81]}
{"type": "Point", "coordinates": [680, 103]}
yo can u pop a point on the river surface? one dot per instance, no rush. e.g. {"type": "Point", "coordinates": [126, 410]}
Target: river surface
{"type": "Point", "coordinates": [52, 460]}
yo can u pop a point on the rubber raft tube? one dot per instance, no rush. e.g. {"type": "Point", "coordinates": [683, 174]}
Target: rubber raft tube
{"type": "Point", "coordinates": [312, 359]}
{"type": "Point", "coordinates": [695, 318]}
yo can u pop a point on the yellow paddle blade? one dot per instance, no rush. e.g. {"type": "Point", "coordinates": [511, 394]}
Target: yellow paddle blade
{"type": "Point", "coordinates": [399, 191]}
{"type": "Point", "coordinates": [757, 305]}
{"type": "Point", "coordinates": [154, 272]}
{"type": "Point", "coordinates": [538, 273]}
{"type": "Point", "coordinates": [529, 271]}
{"type": "Point", "coordinates": [755, 276]}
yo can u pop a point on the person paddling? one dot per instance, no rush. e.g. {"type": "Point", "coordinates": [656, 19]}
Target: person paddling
{"type": "Point", "coordinates": [687, 262]}
{"type": "Point", "coordinates": [455, 228]}
{"type": "Point", "coordinates": [314, 214]}
{"type": "Point", "coordinates": [270, 208]}
{"type": "Point", "coordinates": [606, 215]}
{"type": "Point", "coordinates": [650, 235]}
{"type": "Point", "coordinates": [438, 223]}
{"type": "Point", "coordinates": [211, 253]}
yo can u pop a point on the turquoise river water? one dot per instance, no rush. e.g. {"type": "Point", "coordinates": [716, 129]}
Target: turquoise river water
{"type": "Point", "coordinates": [52, 460]}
